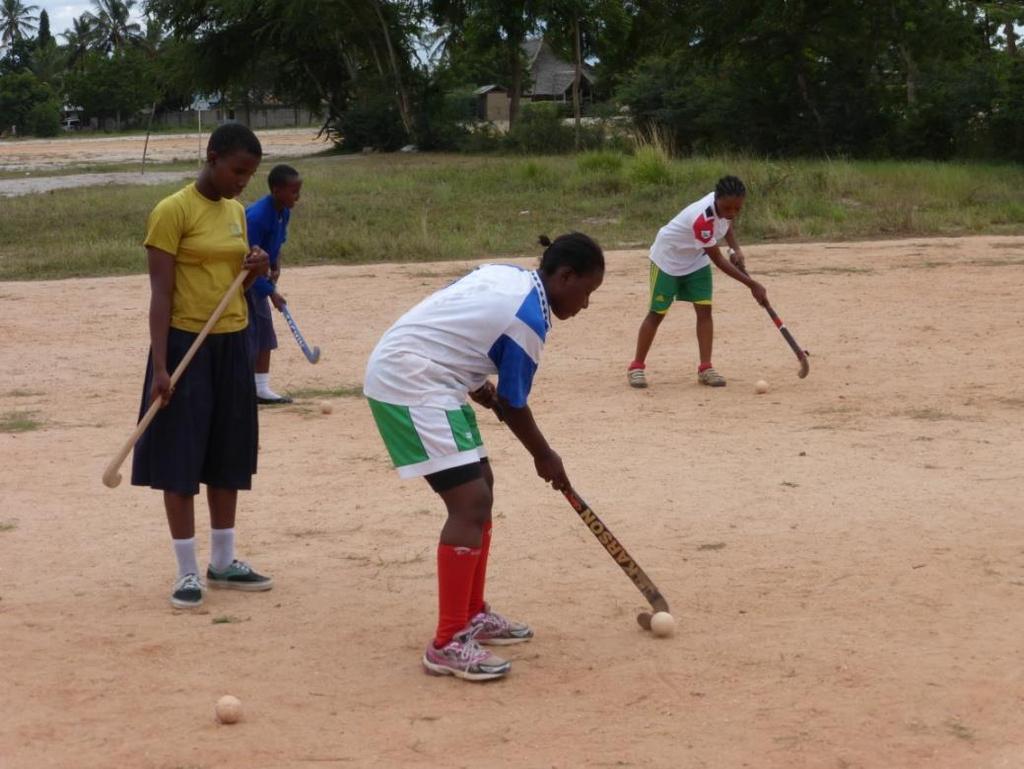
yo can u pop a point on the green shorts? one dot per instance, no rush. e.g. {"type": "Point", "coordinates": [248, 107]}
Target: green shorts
{"type": "Point", "coordinates": [425, 439]}
{"type": "Point", "coordinates": [665, 288]}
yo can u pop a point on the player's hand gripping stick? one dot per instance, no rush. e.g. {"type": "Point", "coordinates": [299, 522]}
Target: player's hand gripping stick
{"type": "Point", "coordinates": [801, 354]}
{"type": "Point", "coordinates": [604, 535]}
{"type": "Point", "coordinates": [112, 475]}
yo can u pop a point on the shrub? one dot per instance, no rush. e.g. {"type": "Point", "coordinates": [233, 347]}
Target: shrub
{"type": "Point", "coordinates": [372, 121]}
{"type": "Point", "coordinates": [43, 119]}
{"type": "Point", "coordinates": [599, 162]}
{"type": "Point", "coordinates": [650, 166]}
{"type": "Point", "coordinates": [539, 130]}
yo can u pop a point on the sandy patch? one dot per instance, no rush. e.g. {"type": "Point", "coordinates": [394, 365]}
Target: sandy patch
{"type": "Point", "coordinates": [163, 148]}
{"type": "Point", "coordinates": [10, 188]}
{"type": "Point", "coordinates": [843, 555]}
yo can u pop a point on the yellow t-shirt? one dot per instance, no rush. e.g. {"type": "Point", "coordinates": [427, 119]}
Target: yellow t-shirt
{"type": "Point", "coordinates": [209, 242]}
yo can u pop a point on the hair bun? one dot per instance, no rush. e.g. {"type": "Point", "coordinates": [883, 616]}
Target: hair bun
{"type": "Point", "coordinates": [544, 240]}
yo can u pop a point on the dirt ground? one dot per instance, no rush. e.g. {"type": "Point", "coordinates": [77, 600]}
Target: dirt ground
{"type": "Point", "coordinates": [163, 148]}
{"type": "Point", "coordinates": [844, 555]}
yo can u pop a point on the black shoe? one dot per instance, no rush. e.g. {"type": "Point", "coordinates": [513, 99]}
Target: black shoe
{"type": "Point", "coordinates": [188, 593]}
{"type": "Point", "coordinates": [280, 400]}
{"type": "Point", "coordinates": [238, 576]}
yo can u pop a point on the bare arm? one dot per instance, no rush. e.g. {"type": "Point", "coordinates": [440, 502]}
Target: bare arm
{"type": "Point", "coordinates": [736, 255]}
{"type": "Point", "coordinates": [522, 424]}
{"type": "Point", "coordinates": [161, 286]}
{"type": "Point", "coordinates": [726, 266]}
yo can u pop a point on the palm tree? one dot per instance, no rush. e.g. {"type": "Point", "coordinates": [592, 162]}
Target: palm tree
{"type": "Point", "coordinates": [112, 23]}
{"type": "Point", "coordinates": [16, 21]}
{"type": "Point", "coordinates": [78, 40]}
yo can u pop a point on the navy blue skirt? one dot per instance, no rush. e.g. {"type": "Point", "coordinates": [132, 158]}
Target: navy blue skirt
{"type": "Point", "coordinates": [209, 432]}
{"type": "Point", "coordinates": [262, 336]}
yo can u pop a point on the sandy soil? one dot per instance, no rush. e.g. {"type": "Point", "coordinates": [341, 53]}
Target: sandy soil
{"type": "Point", "coordinates": [844, 555]}
{"type": "Point", "coordinates": [10, 188]}
{"type": "Point", "coordinates": [163, 148]}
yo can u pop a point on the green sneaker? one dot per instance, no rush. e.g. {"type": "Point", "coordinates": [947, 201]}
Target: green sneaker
{"type": "Point", "coordinates": [238, 576]}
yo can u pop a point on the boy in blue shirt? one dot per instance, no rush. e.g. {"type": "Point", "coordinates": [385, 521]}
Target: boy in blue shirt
{"type": "Point", "coordinates": [267, 223]}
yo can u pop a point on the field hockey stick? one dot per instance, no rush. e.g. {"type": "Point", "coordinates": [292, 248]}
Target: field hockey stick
{"type": "Point", "coordinates": [112, 476]}
{"type": "Point", "coordinates": [614, 548]}
{"type": "Point", "coordinates": [801, 354]}
{"type": "Point", "coordinates": [619, 554]}
{"type": "Point", "coordinates": [311, 355]}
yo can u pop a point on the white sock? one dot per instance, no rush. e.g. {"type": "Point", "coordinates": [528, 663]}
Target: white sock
{"type": "Point", "coordinates": [185, 552]}
{"type": "Point", "coordinates": [263, 387]}
{"type": "Point", "coordinates": [222, 547]}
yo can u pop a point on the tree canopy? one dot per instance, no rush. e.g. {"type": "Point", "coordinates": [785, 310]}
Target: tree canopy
{"type": "Point", "coordinates": [866, 78]}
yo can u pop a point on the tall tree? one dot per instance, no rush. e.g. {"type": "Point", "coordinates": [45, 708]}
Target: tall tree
{"type": "Point", "coordinates": [16, 21]}
{"type": "Point", "coordinates": [499, 25]}
{"type": "Point", "coordinates": [320, 52]}
{"type": "Point", "coordinates": [112, 24]}
{"type": "Point", "coordinates": [43, 36]}
{"type": "Point", "coordinates": [1005, 16]}
{"type": "Point", "coordinates": [580, 28]}
{"type": "Point", "coordinates": [78, 40]}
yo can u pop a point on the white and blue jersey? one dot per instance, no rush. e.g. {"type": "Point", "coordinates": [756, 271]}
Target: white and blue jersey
{"type": "Point", "coordinates": [493, 321]}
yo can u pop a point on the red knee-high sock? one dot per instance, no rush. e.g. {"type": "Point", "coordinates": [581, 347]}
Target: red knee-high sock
{"type": "Point", "coordinates": [476, 596]}
{"type": "Point", "coordinates": [455, 569]}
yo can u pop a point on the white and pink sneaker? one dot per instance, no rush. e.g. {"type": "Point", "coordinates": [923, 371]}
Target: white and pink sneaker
{"type": "Point", "coordinates": [462, 657]}
{"type": "Point", "coordinates": [497, 630]}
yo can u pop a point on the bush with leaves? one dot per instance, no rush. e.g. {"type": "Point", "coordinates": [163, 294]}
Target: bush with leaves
{"type": "Point", "coordinates": [27, 104]}
{"type": "Point", "coordinates": [540, 130]}
{"type": "Point", "coordinates": [370, 122]}
{"type": "Point", "coordinates": [43, 119]}
{"type": "Point", "coordinates": [443, 118]}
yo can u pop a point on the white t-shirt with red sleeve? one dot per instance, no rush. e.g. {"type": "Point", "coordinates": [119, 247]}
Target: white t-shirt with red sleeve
{"type": "Point", "coordinates": [679, 248]}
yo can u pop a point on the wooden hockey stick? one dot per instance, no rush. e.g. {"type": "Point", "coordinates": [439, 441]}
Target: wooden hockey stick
{"type": "Point", "coordinates": [112, 475]}
{"type": "Point", "coordinates": [614, 548]}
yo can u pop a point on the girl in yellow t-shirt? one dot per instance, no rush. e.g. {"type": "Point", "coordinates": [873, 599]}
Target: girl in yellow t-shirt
{"type": "Point", "coordinates": [207, 431]}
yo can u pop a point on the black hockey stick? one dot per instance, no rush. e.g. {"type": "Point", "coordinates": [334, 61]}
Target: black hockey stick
{"type": "Point", "coordinates": [801, 354]}
{"type": "Point", "coordinates": [311, 355]}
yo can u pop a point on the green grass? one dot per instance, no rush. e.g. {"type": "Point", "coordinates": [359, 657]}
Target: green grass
{"type": "Point", "coordinates": [424, 207]}
{"type": "Point", "coordinates": [19, 422]}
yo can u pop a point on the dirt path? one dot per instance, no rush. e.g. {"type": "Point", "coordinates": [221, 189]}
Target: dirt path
{"type": "Point", "coordinates": [844, 554]}
{"type": "Point", "coordinates": [163, 148]}
{"type": "Point", "coordinates": [10, 188]}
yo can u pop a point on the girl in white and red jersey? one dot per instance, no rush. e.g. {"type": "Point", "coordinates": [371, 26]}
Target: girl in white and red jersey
{"type": "Point", "coordinates": [681, 269]}
{"type": "Point", "coordinates": [418, 380]}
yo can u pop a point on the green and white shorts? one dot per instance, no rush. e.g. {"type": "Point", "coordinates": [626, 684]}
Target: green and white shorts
{"type": "Point", "coordinates": [426, 439]}
{"type": "Point", "coordinates": [694, 287]}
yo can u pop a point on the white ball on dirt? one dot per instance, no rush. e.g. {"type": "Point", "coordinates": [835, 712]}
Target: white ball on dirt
{"type": "Point", "coordinates": [228, 709]}
{"type": "Point", "coordinates": [663, 624]}
{"type": "Point", "coordinates": [326, 407]}
{"type": "Point", "coordinates": [760, 387]}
